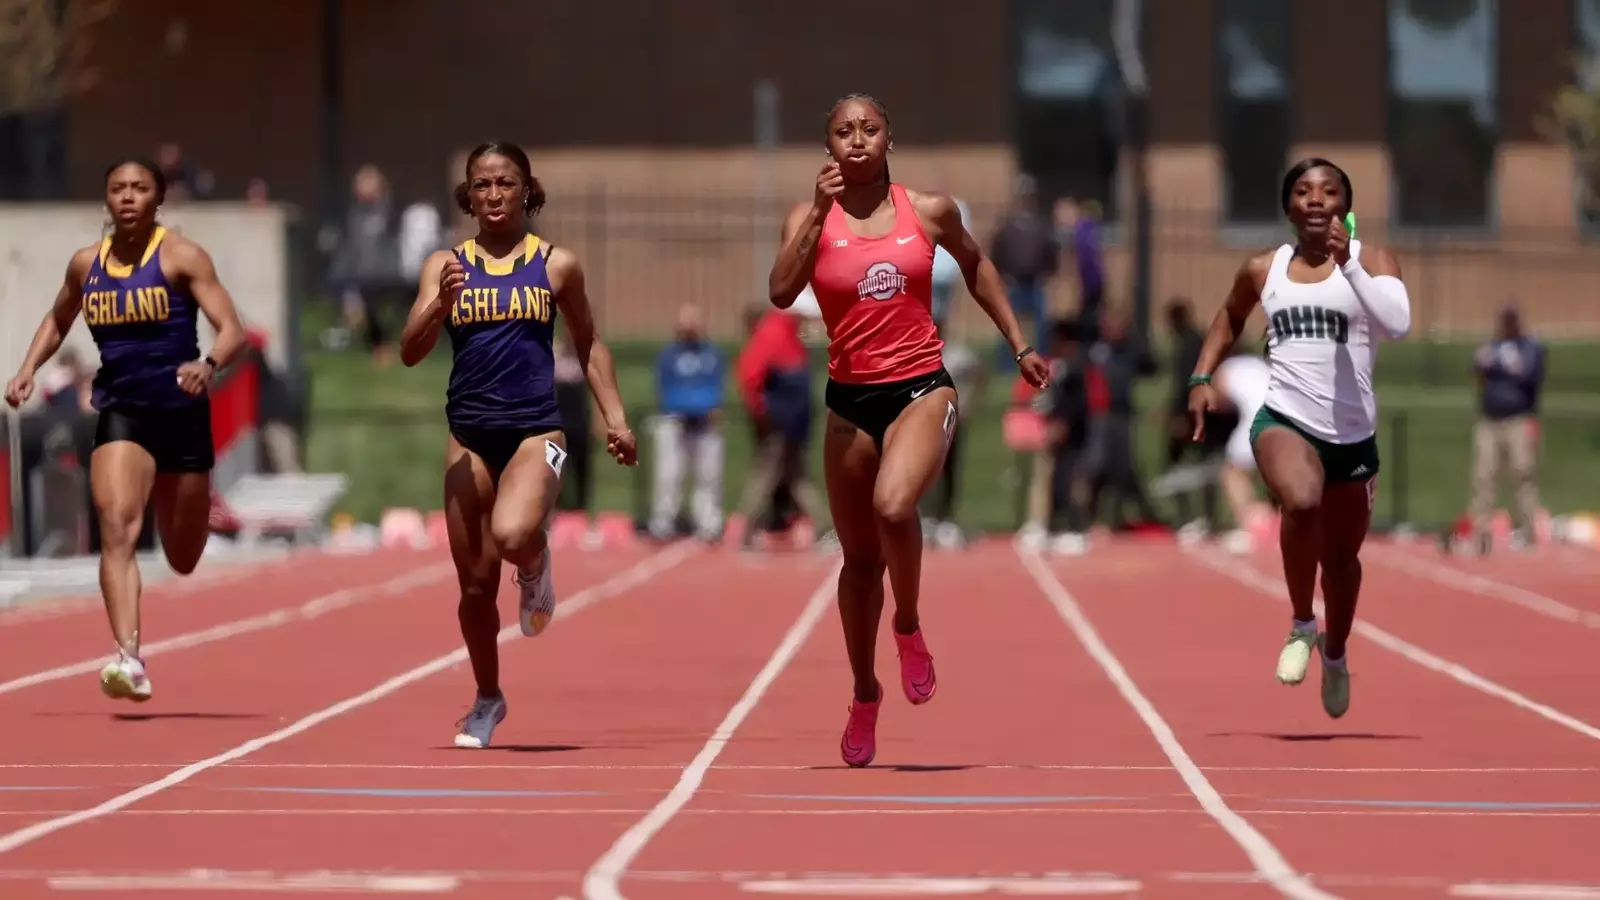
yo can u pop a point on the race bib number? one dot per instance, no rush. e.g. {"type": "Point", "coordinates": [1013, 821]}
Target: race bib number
{"type": "Point", "coordinates": [554, 456]}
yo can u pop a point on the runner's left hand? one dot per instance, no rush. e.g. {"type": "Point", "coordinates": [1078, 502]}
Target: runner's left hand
{"type": "Point", "coordinates": [1035, 370]}
{"type": "Point", "coordinates": [621, 445]}
{"type": "Point", "coordinates": [194, 377]}
{"type": "Point", "coordinates": [1338, 241]}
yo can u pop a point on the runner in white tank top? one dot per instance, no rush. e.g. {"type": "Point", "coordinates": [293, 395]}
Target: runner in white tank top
{"type": "Point", "coordinates": [1321, 351]}
{"type": "Point", "coordinates": [1327, 300]}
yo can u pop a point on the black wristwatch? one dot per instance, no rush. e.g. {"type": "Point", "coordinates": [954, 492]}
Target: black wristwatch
{"type": "Point", "coordinates": [211, 362]}
{"type": "Point", "coordinates": [1024, 352]}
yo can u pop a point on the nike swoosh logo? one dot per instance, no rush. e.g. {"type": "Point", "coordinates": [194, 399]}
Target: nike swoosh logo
{"type": "Point", "coordinates": [919, 393]}
{"type": "Point", "coordinates": [905, 240]}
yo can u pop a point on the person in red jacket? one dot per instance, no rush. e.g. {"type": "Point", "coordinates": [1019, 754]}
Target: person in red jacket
{"type": "Point", "coordinates": [774, 374]}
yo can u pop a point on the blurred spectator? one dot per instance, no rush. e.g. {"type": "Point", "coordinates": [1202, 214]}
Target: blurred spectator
{"type": "Point", "coordinates": [1025, 429]}
{"type": "Point", "coordinates": [367, 258]}
{"type": "Point", "coordinates": [688, 430]}
{"type": "Point", "coordinates": [578, 424]}
{"type": "Point", "coordinates": [781, 512]}
{"type": "Point", "coordinates": [969, 375]}
{"type": "Point", "coordinates": [1025, 252]}
{"type": "Point", "coordinates": [67, 384]}
{"type": "Point", "coordinates": [1068, 436]}
{"type": "Point", "coordinates": [1116, 361]}
{"type": "Point", "coordinates": [421, 233]}
{"type": "Point", "coordinates": [947, 274]}
{"type": "Point", "coordinates": [1510, 370]}
{"type": "Point", "coordinates": [1187, 339]}
{"type": "Point", "coordinates": [1078, 227]}
{"type": "Point", "coordinates": [280, 419]}
{"type": "Point", "coordinates": [184, 180]}
{"type": "Point", "coordinates": [774, 372]}
{"type": "Point", "coordinates": [256, 192]}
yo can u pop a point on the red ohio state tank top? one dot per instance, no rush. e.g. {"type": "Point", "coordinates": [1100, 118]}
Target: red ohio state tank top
{"type": "Point", "coordinates": [876, 296]}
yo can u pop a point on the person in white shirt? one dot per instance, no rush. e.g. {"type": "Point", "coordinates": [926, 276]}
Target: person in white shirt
{"type": "Point", "coordinates": [1242, 380]}
{"type": "Point", "coordinates": [970, 377]}
{"type": "Point", "coordinates": [1328, 301]}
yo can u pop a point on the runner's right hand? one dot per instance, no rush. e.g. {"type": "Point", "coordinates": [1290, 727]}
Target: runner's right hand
{"type": "Point", "coordinates": [18, 390]}
{"type": "Point", "coordinates": [1202, 400]}
{"type": "Point", "coordinates": [830, 184]}
{"type": "Point", "coordinates": [451, 279]}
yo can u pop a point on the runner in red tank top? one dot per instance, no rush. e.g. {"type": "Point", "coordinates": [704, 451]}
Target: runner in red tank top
{"type": "Point", "coordinates": [865, 245]}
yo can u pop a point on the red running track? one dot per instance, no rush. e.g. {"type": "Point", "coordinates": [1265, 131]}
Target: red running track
{"type": "Point", "coordinates": [1106, 725]}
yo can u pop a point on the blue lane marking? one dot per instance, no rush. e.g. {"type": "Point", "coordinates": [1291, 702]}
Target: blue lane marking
{"type": "Point", "coordinates": [1507, 806]}
{"type": "Point", "coordinates": [935, 799]}
{"type": "Point", "coordinates": [417, 792]}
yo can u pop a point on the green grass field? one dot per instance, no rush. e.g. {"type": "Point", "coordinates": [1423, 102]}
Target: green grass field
{"type": "Point", "coordinates": [384, 428]}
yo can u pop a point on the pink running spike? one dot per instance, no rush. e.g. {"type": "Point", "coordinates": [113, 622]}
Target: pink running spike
{"type": "Point", "coordinates": [860, 742]}
{"type": "Point", "coordinates": [916, 667]}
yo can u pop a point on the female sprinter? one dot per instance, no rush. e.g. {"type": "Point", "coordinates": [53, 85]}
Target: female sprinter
{"type": "Point", "coordinates": [498, 294]}
{"type": "Point", "coordinates": [141, 291]}
{"type": "Point", "coordinates": [866, 245]}
{"type": "Point", "coordinates": [1327, 301]}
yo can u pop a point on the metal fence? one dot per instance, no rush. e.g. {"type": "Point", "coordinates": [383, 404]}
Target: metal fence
{"type": "Point", "coordinates": [646, 254]}
{"type": "Point", "coordinates": [395, 459]}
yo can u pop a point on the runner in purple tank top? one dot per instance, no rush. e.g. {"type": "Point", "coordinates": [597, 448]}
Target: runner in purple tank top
{"type": "Point", "coordinates": [497, 296]}
{"type": "Point", "coordinates": [141, 291]}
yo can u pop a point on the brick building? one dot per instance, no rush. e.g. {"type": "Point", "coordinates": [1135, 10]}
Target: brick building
{"type": "Point", "coordinates": [640, 114]}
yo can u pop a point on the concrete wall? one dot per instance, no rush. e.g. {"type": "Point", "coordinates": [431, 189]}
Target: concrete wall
{"type": "Point", "coordinates": [250, 246]}
{"type": "Point", "coordinates": [637, 111]}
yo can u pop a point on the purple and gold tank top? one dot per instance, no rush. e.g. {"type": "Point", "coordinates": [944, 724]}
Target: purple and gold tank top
{"type": "Point", "coordinates": [145, 328]}
{"type": "Point", "coordinates": [501, 332]}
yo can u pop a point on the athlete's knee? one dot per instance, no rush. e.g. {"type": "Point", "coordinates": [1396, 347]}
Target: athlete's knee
{"type": "Point", "coordinates": [517, 536]}
{"type": "Point", "coordinates": [895, 504]}
{"type": "Point", "coordinates": [120, 529]}
{"type": "Point", "coordinates": [1300, 497]}
{"type": "Point", "coordinates": [477, 593]}
{"type": "Point", "coordinates": [1340, 563]}
{"type": "Point", "coordinates": [1341, 548]}
{"type": "Point", "coordinates": [860, 570]}
{"type": "Point", "coordinates": [183, 560]}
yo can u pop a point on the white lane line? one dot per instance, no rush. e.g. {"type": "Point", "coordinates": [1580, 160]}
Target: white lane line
{"type": "Point", "coordinates": [311, 609]}
{"type": "Point", "coordinates": [1484, 587]}
{"type": "Point", "coordinates": [1250, 577]}
{"type": "Point", "coordinates": [633, 576]}
{"type": "Point", "coordinates": [1526, 891]}
{"type": "Point", "coordinates": [602, 880]}
{"type": "Point", "coordinates": [1266, 858]}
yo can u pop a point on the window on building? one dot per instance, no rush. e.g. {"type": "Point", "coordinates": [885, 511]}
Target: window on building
{"type": "Point", "coordinates": [1442, 117]}
{"type": "Point", "coordinates": [1588, 78]}
{"type": "Point", "coordinates": [1254, 97]}
{"type": "Point", "coordinates": [1069, 99]}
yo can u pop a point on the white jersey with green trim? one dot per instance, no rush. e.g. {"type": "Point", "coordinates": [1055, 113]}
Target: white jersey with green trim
{"type": "Point", "coordinates": [1321, 350]}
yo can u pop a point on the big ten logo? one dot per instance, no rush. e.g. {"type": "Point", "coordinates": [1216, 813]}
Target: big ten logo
{"type": "Point", "coordinates": [883, 282]}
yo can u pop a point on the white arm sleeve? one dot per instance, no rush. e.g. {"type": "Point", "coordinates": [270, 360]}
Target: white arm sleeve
{"type": "Point", "coordinates": [1384, 298]}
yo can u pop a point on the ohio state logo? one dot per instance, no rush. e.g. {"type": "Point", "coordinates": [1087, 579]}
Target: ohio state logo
{"type": "Point", "coordinates": [883, 281]}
